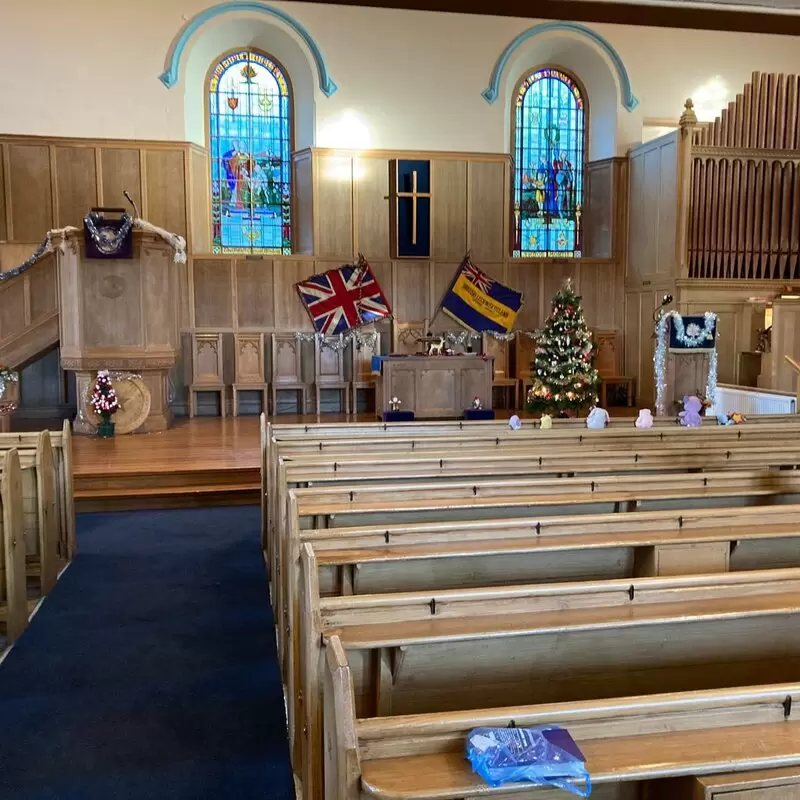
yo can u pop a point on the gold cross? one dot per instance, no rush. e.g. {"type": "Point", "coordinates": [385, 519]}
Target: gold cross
{"type": "Point", "coordinates": [414, 195]}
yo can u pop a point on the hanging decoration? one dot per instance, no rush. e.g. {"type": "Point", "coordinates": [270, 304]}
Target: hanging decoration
{"type": "Point", "coordinates": [105, 237]}
{"type": "Point", "coordinates": [41, 251]}
{"type": "Point", "coordinates": [340, 342]}
{"type": "Point", "coordinates": [7, 376]}
{"type": "Point", "coordinates": [689, 338]}
{"type": "Point", "coordinates": [174, 240]}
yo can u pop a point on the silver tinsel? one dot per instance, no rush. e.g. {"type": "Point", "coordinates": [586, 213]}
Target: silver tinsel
{"type": "Point", "coordinates": [7, 376]}
{"type": "Point", "coordinates": [660, 356]}
{"type": "Point", "coordinates": [340, 342]}
{"type": "Point", "coordinates": [42, 250]}
{"type": "Point", "coordinates": [107, 246]}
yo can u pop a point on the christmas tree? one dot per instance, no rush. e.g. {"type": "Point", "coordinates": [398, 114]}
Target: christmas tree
{"type": "Point", "coordinates": [563, 376]}
{"type": "Point", "coordinates": [104, 398]}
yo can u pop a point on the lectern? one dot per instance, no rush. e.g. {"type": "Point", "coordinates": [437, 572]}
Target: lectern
{"type": "Point", "coordinates": [121, 315]}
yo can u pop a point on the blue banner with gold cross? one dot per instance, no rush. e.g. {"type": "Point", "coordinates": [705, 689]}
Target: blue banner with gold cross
{"type": "Point", "coordinates": [479, 302]}
{"type": "Point", "coordinates": [412, 198]}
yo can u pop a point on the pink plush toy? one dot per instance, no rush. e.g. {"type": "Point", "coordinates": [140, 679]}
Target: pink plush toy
{"type": "Point", "coordinates": [690, 416]}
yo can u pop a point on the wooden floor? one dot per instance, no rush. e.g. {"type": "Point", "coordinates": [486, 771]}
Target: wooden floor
{"type": "Point", "coordinates": [207, 461]}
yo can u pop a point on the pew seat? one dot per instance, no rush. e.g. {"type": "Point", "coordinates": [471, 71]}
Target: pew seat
{"type": "Point", "coordinates": [629, 740]}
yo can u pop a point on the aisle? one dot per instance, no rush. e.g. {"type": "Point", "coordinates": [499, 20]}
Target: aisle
{"type": "Point", "coordinates": [151, 670]}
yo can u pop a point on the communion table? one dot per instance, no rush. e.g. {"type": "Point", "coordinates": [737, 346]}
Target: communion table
{"type": "Point", "coordinates": [434, 387]}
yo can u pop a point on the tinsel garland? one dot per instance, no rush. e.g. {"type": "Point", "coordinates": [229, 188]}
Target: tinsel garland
{"type": "Point", "coordinates": [176, 242]}
{"type": "Point", "coordinates": [694, 340]}
{"type": "Point", "coordinates": [107, 246]}
{"type": "Point", "coordinates": [7, 376]}
{"type": "Point", "coordinates": [41, 251]}
{"type": "Point", "coordinates": [340, 342]}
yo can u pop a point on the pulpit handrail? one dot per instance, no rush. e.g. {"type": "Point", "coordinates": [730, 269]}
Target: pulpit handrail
{"type": "Point", "coordinates": [792, 363]}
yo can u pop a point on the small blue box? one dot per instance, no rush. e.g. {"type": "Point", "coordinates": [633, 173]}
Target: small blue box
{"type": "Point", "coordinates": [398, 416]}
{"type": "Point", "coordinates": [475, 414]}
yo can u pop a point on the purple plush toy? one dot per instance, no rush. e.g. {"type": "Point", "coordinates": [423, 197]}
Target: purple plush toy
{"type": "Point", "coordinates": [690, 416]}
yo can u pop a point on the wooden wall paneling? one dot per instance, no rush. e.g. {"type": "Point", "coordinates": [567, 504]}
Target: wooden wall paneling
{"type": "Point", "coordinates": [333, 205]}
{"type": "Point", "coordinates": [31, 196]}
{"type": "Point", "coordinates": [12, 309]}
{"type": "Point", "coordinates": [599, 209]}
{"type": "Point", "coordinates": [4, 191]}
{"type": "Point", "coordinates": [165, 189]}
{"type": "Point", "coordinates": [185, 309]}
{"type": "Point", "coordinates": [198, 172]}
{"type": "Point", "coordinates": [371, 185]}
{"type": "Point", "coordinates": [411, 290]}
{"type": "Point", "coordinates": [487, 238]}
{"type": "Point", "coordinates": [120, 170]}
{"type": "Point", "coordinates": [75, 184]}
{"type": "Point", "coordinates": [602, 287]}
{"type": "Point", "coordinates": [303, 208]}
{"type": "Point", "coordinates": [666, 209]}
{"type": "Point", "coordinates": [554, 277]}
{"type": "Point", "coordinates": [43, 289]}
{"type": "Point", "coordinates": [442, 275]}
{"type": "Point", "coordinates": [525, 275]}
{"type": "Point", "coordinates": [382, 270]}
{"type": "Point", "coordinates": [212, 280]}
{"type": "Point", "coordinates": [639, 265]}
{"type": "Point", "coordinates": [290, 315]}
{"type": "Point", "coordinates": [449, 210]}
{"type": "Point", "coordinates": [619, 234]}
{"type": "Point", "coordinates": [254, 294]}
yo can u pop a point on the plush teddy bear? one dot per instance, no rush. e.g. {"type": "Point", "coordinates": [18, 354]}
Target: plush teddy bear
{"type": "Point", "coordinates": [546, 423]}
{"type": "Point", "coordinates": [597, 419]}
{"type": "Point", "coordinates": [690, 416]}
{"type": "Point", "coordinates": [515, 423]}
{"type": "Point", "coordinates": [645, 418]}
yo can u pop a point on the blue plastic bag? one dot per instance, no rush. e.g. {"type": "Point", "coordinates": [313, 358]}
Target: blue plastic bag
{"type": "Point", "coordinates": [543, 756]}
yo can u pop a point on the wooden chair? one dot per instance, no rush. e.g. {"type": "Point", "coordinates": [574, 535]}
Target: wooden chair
{"type": "Point", "coordinates": [509, 386]}
{"type": "Point", "coordinates": [362, 375]}
{"type": "Point", "coordinates": [329, 374]}
{"type": "Point", "coordinates": [249, 369]}
{"type": "Point", "coordinates": [522, 353]}
{"type": "Point", "coordinates": [608, 362]}
{"type": "Point", "coordinates": [405, 335]}
{"type": "Point", "coordinates": [207, 370]}
{"type": "Point", "coordinates": [287, 369]}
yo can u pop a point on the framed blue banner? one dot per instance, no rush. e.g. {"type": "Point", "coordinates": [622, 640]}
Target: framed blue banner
{"type": "Point", "coordinates": [410, 182]}
{"type": "Point", "coordinates": [692, 334]}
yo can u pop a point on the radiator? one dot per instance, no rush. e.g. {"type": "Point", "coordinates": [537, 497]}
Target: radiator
{"type": "Point", "coordinates": [750, 401]}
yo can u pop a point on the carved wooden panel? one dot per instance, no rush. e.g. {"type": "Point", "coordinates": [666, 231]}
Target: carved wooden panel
{"type": "Point", "coordinates": [249, 358]}
{"type": "Point", "coordinates": [76, 184]}
{"type": "Point", "coordinates": [523, 352]}
{"type": "Point", "coordinates": [488, 198]}
{"type": "Point", "coordinates": [608, 353]}
{"type": "Point", "coordinates": [166, 207]}
{"type": "Point", "coordinates": [329, 364]}
{"type": "Point", "coordinates": [121, 170]}
{"type": "Point", "coordinates": [207, 359]}
{"type": "Point", "coordinates": [362, 358]}
{"type": "Point", "coordinates": [286, 359]}
{"type": "Point", "coordinates": [499, 351]}
{"type": "Point", "coordinates": [30, 192]}
{"type": "Point", "coordinates": [405, 335]}
{"type": "Point", "coordinates": [449, 209]}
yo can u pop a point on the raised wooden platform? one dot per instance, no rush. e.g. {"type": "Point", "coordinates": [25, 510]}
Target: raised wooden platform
{"type": "Point", "coordinates": [199, 462]}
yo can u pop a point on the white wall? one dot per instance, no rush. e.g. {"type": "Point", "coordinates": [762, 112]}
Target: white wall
{"type": "Point", "coordinates": [406, 79]}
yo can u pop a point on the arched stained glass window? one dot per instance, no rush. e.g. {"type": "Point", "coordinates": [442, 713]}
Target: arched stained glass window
{"type": "Point", "coordinates": [250, 134]}
{"type": "Point", "coordinates": [549, 151]}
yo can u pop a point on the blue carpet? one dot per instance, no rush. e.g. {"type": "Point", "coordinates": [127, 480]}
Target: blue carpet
{"type": "Point", "coordinates": [151, 670]}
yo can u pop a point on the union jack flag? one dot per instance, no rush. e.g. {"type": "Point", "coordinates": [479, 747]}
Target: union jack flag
{"type": "Point", "coordinates": [477, 276]}
{"type": "Point", "coordinates": [343, 298]}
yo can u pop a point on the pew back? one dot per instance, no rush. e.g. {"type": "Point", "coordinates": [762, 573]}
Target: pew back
{"type": "Point", "coordinates": [13, 588]}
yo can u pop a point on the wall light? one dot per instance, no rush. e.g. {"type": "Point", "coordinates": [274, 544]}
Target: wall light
{"type": "Point", "coordinates": [345, 131]}
{"type": "Point", "coordinates": [710, 98]}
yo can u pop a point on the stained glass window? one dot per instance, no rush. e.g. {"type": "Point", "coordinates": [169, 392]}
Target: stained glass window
{"type": "Point", "coordinates": [250, 144]}
{"type": "Point", "coordinates": [549, 147]}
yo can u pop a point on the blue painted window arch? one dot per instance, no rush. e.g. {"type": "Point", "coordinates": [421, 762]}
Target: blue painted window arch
{"type": "Point", "coordinates": [549, 123]}
{"type": "Point", "coordinates": [250, 135]}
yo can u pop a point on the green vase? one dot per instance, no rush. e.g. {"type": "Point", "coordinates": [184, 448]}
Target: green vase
{"type": "Point", "coordinates": [105, 430]}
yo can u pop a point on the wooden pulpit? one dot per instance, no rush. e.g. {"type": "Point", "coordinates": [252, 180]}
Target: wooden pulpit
{"type": "Point", "coordinates": [121, 315]}
{"type": "Point", "coordinates": [687, 374]}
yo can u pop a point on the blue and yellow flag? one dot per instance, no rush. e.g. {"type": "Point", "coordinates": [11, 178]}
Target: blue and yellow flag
{"type": "Point", "coordinates": [479, 302]}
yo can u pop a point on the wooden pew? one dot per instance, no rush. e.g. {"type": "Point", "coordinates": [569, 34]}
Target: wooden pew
{"type": "Point", "coordinates": [419, 556]}
{"type": "Point", "coordinates": [534, 498]}
{"type": "Point", "coordinates": [40, 511]}
{"type": "Point", "coordinates": [13, 584]}
{"type": "Point", "coordinates": [284, 439]}
{"type": "Point", "coordinates": [61, 442]}
{"type": "Point", "coordinates": [628, 742]}
{"type": "Point", "coordinates": [414, 653]}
